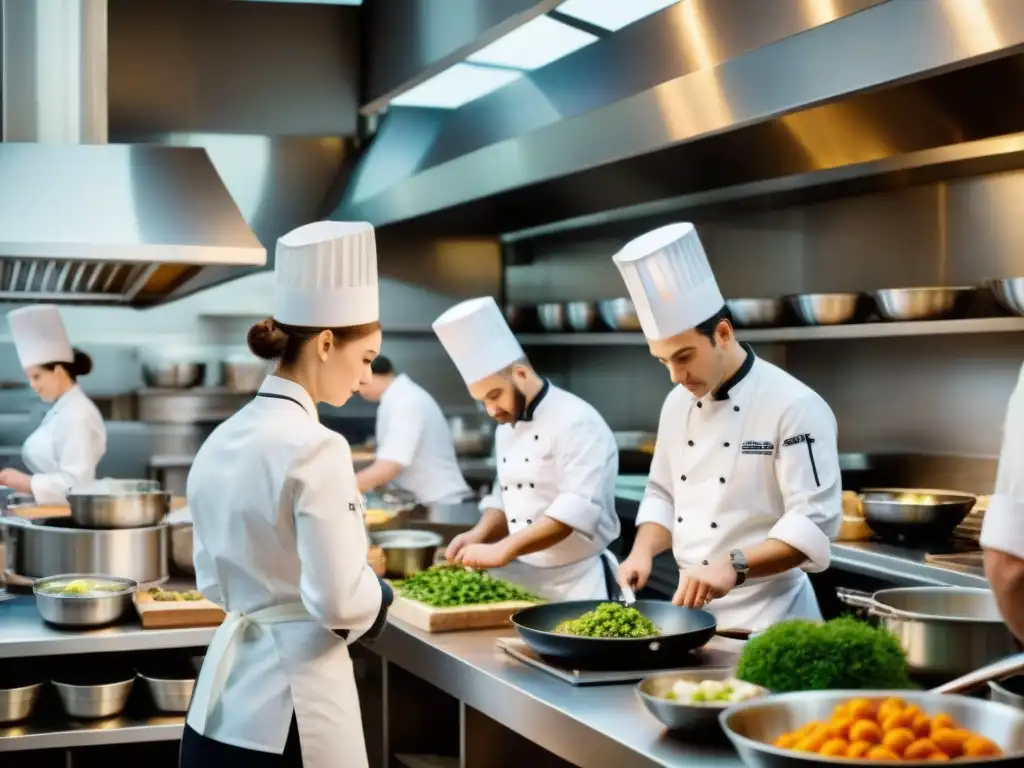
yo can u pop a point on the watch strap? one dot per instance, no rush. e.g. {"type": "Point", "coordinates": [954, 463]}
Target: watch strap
{"type": "Point", "coordinates": [740, 565]}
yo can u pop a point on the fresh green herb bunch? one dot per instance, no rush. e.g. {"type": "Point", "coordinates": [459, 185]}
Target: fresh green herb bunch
{"type": "Point", "coordinates": [842, 653]}
{"type": "Point", "coordinates": [609, 620]}
{"type": "Point", "coordinates": [448, 585]}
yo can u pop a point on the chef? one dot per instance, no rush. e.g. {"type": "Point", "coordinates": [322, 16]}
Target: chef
{"type": "Point", "coordinates": [552, 508]}
{"type": "Point", "coordinates": [414, 444]}
{"type": "Point", "coordinates": [69, 443]}
{"type": "Point", "coordinates": [279, 539]}
{"type": "Point", "coordinates": [1002, 531]}
{"type": "Point", "coordinates": [744, 484]}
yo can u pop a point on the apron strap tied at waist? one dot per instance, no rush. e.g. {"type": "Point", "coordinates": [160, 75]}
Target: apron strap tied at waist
{"type": "Point", "coordinates": [220, 656]}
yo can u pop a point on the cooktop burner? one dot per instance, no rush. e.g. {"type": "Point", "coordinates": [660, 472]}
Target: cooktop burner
{"type": "Point", "coordinates": [720, 652]}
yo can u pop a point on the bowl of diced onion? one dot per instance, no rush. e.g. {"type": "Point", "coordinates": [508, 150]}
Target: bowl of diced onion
{"type": "Point", "coordinates": [691, 700]}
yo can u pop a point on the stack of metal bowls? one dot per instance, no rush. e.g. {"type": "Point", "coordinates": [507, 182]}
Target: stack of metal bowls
{"type": "Point", "coordinates": [755, 313]}
{"type": "Point", "coordinates": [619, 314]}
{"type": "Point", "coordinates": [933, 303]}
{"type": "Point", "coordinates": [828, 308]}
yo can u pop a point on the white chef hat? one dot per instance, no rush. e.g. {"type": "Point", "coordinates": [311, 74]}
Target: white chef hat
{"type": "Point", "coordinates": [326, 275]}
{"type": "Point", "coordinates": [39, 335]}
{"type": "Point", "coordinates": [669, 279]}
{"type": "Point", "coordinates": [477, 339]}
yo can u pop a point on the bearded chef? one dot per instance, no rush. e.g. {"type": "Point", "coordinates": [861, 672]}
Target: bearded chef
{"type": "Point", "coordinates": [744, 484]}
{"type": "Point", "coordinates": [414, 443]}
{"type": "Point", "coordinates": [552, 508]}
{"type": "Point", "coordinates": [279, 539]}
{"type": "Point", "coordinates": [66, 448]}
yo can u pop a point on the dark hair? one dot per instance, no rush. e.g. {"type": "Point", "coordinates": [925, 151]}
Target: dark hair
{"type": "Point", "coordinates": [81, 365]}
{"type": "Point", "coordinates": [708, 327]}
{"type": "Point", "coordinates": [381, 366]}
{"type": "Point", "coordinates": [272, 340]}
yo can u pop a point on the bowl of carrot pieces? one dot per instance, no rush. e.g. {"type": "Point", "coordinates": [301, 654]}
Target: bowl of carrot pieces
{"type": "Point", "coordinates": [874, 727]}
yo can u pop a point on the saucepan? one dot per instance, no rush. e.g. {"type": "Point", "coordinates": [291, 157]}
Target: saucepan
{"type": "Point", "coordinates": [682, 630]}
{"type": "Point", "coordinates": [945, 631]}
{"type": "Point", "coordinates": [915, 515]}
{"type": "Point", "coordinates": [407, 552]}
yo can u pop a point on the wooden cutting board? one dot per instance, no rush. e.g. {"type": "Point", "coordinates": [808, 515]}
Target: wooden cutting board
{"type": "Point", "coordinates": [36, 512]}
{"type": "Point", "coordinates": [160, 614]}
{"type": "Point", "coordinates": [431, 619]}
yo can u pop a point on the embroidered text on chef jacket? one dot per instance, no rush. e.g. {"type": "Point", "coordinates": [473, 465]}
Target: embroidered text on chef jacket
{"type": "Point", "coordinates": [1003, 526]}
{"type": "Point", "coordinates": [412, 432]}
{"type": "Point", "coordinates": [559, 460]}
{"type": "Point", "coordinates": [757, 460]}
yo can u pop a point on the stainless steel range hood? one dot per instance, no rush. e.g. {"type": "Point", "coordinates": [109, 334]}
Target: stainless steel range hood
{"type": "Point", "coordinates": [711, 100]}
{"type": "Point", "coordinates": [82, 220]}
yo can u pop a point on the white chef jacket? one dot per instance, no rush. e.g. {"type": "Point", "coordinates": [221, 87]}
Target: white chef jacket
{"type": "Point", "coordinates": [412, 432]}
{"type": "Point", "coordinates": [559, 459]}
{"type": "Point", "coordinates": [757, 460]}
{"type": "Point", "coordinates": [1003, 525]}
{"type": "Point", "coordinates": [66, 448]}
{"type": "Point", "coordinates": [278, 519]}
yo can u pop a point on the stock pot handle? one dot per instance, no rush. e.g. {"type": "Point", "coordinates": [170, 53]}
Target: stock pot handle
{"type": "Point", "coordinates": [857, 599]}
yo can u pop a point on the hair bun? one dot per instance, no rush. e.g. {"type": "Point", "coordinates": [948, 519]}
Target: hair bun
{"type": "Point", "coordinates": [266, 340]}
{"type": "Point", "coordinates": [81, 365]}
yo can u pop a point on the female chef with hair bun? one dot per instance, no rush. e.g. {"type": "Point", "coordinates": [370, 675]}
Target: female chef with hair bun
{"type": "Point", "coordinates": [279, 537]}
{"type": "Point", "coordinates": [66, 448]}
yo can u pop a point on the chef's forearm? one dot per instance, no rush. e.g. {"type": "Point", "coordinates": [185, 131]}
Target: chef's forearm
{"type": "Point", "coordinates": [542, 534]}
{"type": "Point", "coordinates": [492, 526]}
{"type": "Point", "coordinates": [652, 539]}
{"type": "Point", "coordinates": [1005, 574]}
{"type": "Point", "coordinates": [772, 557]}
{"type": "Point", "coordinates": [378, 474]}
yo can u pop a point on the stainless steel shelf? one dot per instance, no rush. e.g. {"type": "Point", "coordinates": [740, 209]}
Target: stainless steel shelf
{"type": "Point", "coordinates": [72, 734]}
{"type": "Point", "coordinates": [875, 330]}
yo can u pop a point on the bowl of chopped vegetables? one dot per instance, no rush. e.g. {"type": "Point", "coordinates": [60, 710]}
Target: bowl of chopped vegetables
{"type": "Point", "coordinates": [692, 700]}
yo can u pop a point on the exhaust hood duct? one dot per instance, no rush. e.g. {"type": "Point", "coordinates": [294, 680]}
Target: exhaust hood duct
{"type": "Point", "coordinates": [82, 220]}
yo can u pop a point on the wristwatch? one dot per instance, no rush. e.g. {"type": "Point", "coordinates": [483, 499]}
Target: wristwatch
{"type": "Point", "coordinates": [740, 564]}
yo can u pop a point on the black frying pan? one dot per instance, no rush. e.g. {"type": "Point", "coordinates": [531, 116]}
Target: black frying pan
{"type": "Point", "coordinates": [682, 630]}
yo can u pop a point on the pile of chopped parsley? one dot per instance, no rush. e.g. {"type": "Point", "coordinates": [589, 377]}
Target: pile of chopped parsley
{"type": "Point", "coordinates": [609, 620]}
{"type": "Point", "coordinates": [448, 586]}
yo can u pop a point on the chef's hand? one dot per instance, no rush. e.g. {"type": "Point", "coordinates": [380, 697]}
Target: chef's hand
{"type": "Point", "coordinates": [635, 570]}
{"type": "Point", "coordinates": [700, 585]}
{"type": "Point", "coordinates": [453, 554]}
{"type": "Point", "coordinates": [17, 480]}
{"type": "Point", "coordinates": [377, 561]}
{"type": "Point", "coordinates": [483, 556]}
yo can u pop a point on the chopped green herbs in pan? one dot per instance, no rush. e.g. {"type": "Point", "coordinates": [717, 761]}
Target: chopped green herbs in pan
{"type": "Point", "coordinates": [448, 586]}
{"type": "Point", "coordinates": [609, 620]}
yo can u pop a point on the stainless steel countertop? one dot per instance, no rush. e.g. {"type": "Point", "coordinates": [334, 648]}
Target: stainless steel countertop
{"type": "Point", "coordinates": [604, 725]}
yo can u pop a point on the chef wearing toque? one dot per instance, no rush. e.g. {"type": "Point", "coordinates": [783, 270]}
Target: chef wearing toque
{"type": "Point", "coordinates": [279, 539]}
{"type": "Point", "coordinates": [552, 508]}
{"type": "Point", "coordinates": [744, 485]}
{"type": "Point", "coordinates": [66, 448]}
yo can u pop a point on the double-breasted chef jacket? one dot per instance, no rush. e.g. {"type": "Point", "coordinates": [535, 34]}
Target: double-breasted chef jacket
{"type": "Point", "coordinates": [559, 459]}
{"type": "Point", "coordinates": [758, 459]}
{"type": "Point", "coordinates": [278, 526]}
{"type": "Point", "coordinates": [65, 448]}
{"type": "Point", "coordinates": [1003, 525]}
{"type": "Point", "coordinates": [412, 432]}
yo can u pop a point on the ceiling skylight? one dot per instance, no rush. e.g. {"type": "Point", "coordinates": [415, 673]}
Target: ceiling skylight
{"type": "Point", "coordinates": [457, 85]}
{"type": "Point", "coordinates": [612, 14]}
{"type": "Point", "coordinates": [533, 45]}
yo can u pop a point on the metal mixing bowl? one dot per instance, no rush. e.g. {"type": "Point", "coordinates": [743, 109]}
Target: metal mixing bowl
{"type": "Point", "coordinates": [244, 375]}
{"type": "Point", "coordinates": [551, 316]}
{"type": "Point", "coordinates": [753, 725]}
{"type": "Point", "coordinates": [681, 716]}
{"type": "Point", "coordinates": [827, 308]}
{"type": "Point", "coordinates": [582, 315]}
{"type": "Point", "coordinates": [619, 314]}
{"type": "Point", "coordinates": [128, 509]}
{"type": "Point", "coordinates": [81, 611]}
{"type": "Point", "coordinates": [755, 313]}
{"type": "Point", "coordinates": [92, 702]}
{"type": "Point", "coordinates": [181, 548]}
{"type": "Point", "coordinates": [170, 694]}
{"type": "Point", "coordinates": [17, 704]}
{"type": "Point", "coordinates": [915, 514]}
{"type": "Point", "coordinates": [173, 375]}
{"type": "Point", "coordinates": [407, 551]}
{"type": "Point", "coordinates": [922, 303]}
{"type": "Point", "coordinates": [1009, 293]}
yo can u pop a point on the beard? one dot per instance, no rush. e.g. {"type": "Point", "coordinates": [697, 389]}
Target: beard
{"type": "Point", "coordinates": [504, 417]}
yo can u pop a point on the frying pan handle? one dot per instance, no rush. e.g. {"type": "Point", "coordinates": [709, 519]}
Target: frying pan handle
{"type": "Point", "coordinates": [857, 599]}
{"type": "Point", "coordinates": [735, 633]}
{"type": "Point", "coordinates": [999, 670]}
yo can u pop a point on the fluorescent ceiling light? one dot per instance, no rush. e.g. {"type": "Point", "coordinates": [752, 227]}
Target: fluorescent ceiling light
{"type": "Point", "coordinates": [536, 43]}
{"type": "Point", "coordinates": [457, 85]}
{"type": "Point", "coordinates": [612, 14]}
